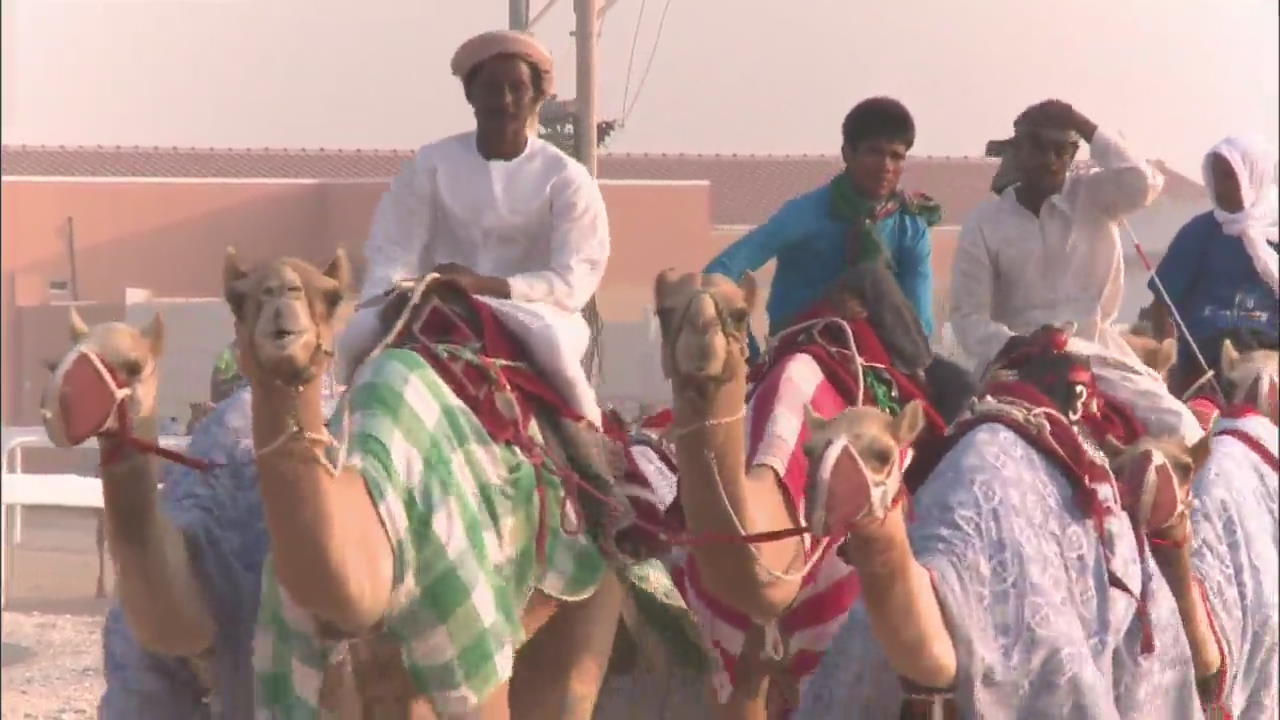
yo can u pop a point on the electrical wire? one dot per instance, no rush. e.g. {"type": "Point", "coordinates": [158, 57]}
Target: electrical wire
{"type": "Point", "coordinates": [653, 53]}
{"type": "Point", "coordinates": [631, 59]}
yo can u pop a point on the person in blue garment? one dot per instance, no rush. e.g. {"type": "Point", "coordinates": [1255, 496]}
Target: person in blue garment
{"type": "Point", "coordinates": [807, 235]}
{"type": "Point", "coordinates": [1220, 269]}
{"type": "Point", "coordinates": [859, 228]}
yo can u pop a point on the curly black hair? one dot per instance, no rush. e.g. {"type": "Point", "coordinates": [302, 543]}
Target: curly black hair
{"type": "Point", "coordinates": [878, 118]}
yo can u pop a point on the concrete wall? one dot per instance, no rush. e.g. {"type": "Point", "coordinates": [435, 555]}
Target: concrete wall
{"type": "Point", "coordinates": [169, 237]}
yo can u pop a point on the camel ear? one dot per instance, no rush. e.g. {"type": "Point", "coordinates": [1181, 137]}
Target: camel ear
{"type": "Point", "coordinates": [1200, 450]}
{"type": "Point", "coordinates": [813, 421]}
{"type": "Point", "coordinates": [233, 283]}
{"type": "Point", "coordinates": [79, 330]}
{"type": "Point", "coordinates": [339, 269]}
{"type": "Point", "coordinates": [909, 423]}
{"type": "Point", "coordinates": [1112, 447]}
{"type": "Point", "coordinates": [749, 287]}
{"type": "Point", "coordinates": [1166, 355]}
{"type": "Point", "coordinates": [153, 332]}
{"type": "Point", "coordinates": [1230, 357]}
{"type": "Point", "coordinates": [663, 283]}
{"type": "Point", "coordinates": [339, 273]}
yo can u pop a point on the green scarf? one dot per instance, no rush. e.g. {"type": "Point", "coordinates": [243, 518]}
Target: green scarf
{"type": "Point", "coordinates": [863, 216]}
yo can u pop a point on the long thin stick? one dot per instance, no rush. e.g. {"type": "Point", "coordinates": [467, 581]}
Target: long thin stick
{"type": "Point", "coordinates": [1177, 319]}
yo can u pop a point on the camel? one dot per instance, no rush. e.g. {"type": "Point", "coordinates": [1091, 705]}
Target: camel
{"type": "Point", "coordinates": [995, 626]}
{"type": "Point", "coordinates": [1159, 355]}
{"type": "Point", "coordinates": [164, 607]}
{"type": "Point", "coordinates": [330, 552]}
{"type": "Point", "coordinates": [162, 603]}
{"type": "Point", "coordinates": [1233, 548]}
{"type": "Point", "coordinates": [703, 319]}
{"type": "Point", "coordinates": [155, 583]}
{"type": "Point", "coordinates": [1252, 376]}
{"type": "Point", "coordinates": [1155, 476]}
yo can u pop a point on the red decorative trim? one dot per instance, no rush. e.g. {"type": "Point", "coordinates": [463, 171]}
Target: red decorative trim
{"type": "Point", "coordinates": [1249, 441]}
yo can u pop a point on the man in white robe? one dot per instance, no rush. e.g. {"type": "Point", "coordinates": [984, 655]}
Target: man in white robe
{"type": "Point", "coordinates": [1047, 250]}
{"type": "Point", "coordinates": [505, 214]}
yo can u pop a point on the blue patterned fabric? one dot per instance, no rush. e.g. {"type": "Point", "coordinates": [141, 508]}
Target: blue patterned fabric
{"type": "Point", "coordinates": [220, 515]}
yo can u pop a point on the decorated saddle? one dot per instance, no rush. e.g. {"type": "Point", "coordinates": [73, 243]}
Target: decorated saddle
{"type": "Point", "coordinates": [486, 366]}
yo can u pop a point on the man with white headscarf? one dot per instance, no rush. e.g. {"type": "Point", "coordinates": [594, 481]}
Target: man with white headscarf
{"type": "Point", "coordinates": [1220, 271]}
{"type": "Point", "coordinates": [508, 216]}
{"type": "Point", "coordinates": [1047, 250]}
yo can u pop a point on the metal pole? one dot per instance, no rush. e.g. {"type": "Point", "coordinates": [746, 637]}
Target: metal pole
{"type": "Point", "coordinates": [586, 13]}
{"type": "Point", "coordinates": [518, 14]}
{"type": "Point", "coordinates": [71, 259]}
{"type": "Point", "coordinates": [584, 131]}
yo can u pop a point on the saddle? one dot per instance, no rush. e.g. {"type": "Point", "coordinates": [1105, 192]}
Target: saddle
{"type": "Point", "coordinates": [489, 369]}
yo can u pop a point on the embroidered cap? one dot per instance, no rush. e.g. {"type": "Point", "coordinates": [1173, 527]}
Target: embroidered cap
{"type": "Point", "coordinates": [504, 42]}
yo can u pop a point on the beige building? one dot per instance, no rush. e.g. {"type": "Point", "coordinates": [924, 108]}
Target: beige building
{"type": "Point", "coordinates": [158, 220]}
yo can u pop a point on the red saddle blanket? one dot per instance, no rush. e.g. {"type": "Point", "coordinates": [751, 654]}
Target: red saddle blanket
{"type": "Point", "coordinates": [827, 344]}
{"type": "Point", "coordinates": [492, 373]}
{"type": "Point", "coordinates": [483, 362]}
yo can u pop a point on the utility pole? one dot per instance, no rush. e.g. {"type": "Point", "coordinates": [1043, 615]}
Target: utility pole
{"type": "Point", "coordinates": [584, 132]}
{"type": "Point", "coordinates": [518, 15]}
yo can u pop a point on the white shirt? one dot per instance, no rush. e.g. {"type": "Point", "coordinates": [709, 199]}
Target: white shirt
{"type": "Point", "coordinates": [538, 220]}
{"type": "Point", "coordinates": [1014, 271]}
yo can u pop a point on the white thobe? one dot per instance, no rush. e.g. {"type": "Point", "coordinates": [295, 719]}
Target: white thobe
{"type": "Point", "coordinates": [537, 220]}
{"type": "Point", "coordinates": [1015, 271]}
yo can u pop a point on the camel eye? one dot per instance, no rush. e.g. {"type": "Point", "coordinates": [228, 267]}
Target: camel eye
{"type": "Point", "coordinates": [131, 368]}
{"type": "Point", "coordinates": [881, 457]}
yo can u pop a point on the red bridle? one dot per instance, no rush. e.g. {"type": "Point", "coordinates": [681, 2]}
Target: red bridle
{"type": "Point", "coordinates": [88, 400]}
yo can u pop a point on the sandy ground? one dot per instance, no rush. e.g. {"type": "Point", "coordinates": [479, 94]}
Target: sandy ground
{"type": "Point", "coordinates": [51, 627]}
{"type": "Point", "coordinates": [51, 631]}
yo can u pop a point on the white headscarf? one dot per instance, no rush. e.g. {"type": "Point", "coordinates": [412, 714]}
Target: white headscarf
{"type": "Point", "coordinates": [1254, 162]}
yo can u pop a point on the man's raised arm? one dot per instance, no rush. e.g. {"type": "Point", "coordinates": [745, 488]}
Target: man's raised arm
{"type": "Point", "coordinates": [1123, 182]}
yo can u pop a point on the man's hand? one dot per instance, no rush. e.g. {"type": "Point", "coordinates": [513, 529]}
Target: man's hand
{"type": "Point", "coordinates": [472, 282]}
{"type": "Point", "coordinates": [1058, 113]}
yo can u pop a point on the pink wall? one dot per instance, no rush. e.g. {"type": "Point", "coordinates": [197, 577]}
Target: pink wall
{"type": "Point", "coordinates": [170, 237]}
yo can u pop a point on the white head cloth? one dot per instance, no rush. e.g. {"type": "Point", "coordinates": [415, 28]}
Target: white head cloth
{"type": "Point", "coordinates": [1254, 162]}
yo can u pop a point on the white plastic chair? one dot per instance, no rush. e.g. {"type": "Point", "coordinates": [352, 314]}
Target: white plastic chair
{"type": "Point", "coordinates": [18, 489]}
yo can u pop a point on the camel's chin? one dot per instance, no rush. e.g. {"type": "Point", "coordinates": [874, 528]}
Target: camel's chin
{"type": "Point", "coordinates": [701, 366]}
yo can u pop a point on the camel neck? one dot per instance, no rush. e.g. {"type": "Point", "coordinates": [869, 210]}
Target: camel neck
{"type": "Point", "coordinates": [278, 410]}
{"type": "Point", "coordinates": [711, 418]}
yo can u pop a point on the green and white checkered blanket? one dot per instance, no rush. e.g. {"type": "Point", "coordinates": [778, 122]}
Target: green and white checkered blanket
{"type": "Point", "coordinates": [462, 515]}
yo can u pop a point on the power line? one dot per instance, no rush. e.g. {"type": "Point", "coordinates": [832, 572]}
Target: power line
{"type": "Point", "coordinates": [631, 59]}
{"type": "Point", "coordinates": [662, 21]}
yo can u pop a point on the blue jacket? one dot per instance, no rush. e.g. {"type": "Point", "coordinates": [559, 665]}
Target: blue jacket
{"type": "Point", "coordinates": [1214, 285]}
{"type": "Point", "coordinates": [809, 245]}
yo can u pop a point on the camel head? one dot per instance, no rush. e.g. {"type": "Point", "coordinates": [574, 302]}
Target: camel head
{"type": "Point", "coordinates": [1252, 377]}
{"type": "Point", "coordinates": [855, 463]}
{"type": "Point", "coordinates": [1154, 476]}
{"type": "Point", "coordinates": [287, 314]}
{"type": "Point", "coordinates": [705, 322]}
{"type": "Point", "coordinates": [108, 364]}
{"type": "Point", "coordinates": [1155, 354]}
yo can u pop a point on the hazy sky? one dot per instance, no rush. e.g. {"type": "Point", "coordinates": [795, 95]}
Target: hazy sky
{"type": "Point", "coordinates": [746, 76]}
